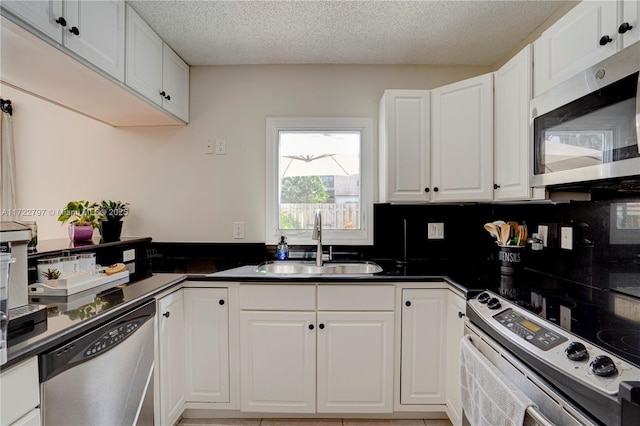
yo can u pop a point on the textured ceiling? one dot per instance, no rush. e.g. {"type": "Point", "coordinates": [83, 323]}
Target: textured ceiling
{"type": "Point", "coordinates": [208, 32]}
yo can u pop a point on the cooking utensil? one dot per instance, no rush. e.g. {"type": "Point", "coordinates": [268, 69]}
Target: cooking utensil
{"type": "Point", "coordinates": [493, 230]}
{"type": "Point", "coordinates": [505, 234]}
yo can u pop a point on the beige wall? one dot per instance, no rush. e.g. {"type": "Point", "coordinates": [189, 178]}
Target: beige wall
{"type": "Point", "coordinates": [177, 193]}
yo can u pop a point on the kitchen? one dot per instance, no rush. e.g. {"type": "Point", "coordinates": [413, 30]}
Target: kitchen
{"type": "Point", "coordinates": [229, 102]}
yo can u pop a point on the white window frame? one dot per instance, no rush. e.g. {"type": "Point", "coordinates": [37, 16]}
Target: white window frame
{"type": "Point", "coordinates": [362, 236]}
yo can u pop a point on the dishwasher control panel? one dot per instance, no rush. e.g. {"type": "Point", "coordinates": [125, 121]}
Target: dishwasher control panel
{"type": "Point", "coordinates": [112, 337]}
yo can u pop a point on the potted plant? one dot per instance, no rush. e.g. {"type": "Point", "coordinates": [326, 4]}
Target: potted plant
{"type": "Point", "coordinates": [82, 217]}
{"type": "Point", "coordinates": [111, 215]}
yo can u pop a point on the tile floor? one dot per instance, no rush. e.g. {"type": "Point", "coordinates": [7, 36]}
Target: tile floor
{"type": "Point", "coordinates": [311, 422]}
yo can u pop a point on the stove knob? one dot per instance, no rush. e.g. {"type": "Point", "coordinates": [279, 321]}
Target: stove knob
{"type": "Point", "coordinates": [576, 351]}
{"type": "Point", "coordinates": [493, 303]}
{"type": "Point", "coordinates": [483, 297]}
{"type": "Point", "coordinates": [603, 366]}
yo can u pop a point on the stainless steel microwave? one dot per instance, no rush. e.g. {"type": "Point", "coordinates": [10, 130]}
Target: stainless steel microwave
{"type": "Point", "coordinates": [588, 127]}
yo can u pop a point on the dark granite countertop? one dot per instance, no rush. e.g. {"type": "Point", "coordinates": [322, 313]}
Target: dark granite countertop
{"type": "Point", "coordinates": [68, 317]}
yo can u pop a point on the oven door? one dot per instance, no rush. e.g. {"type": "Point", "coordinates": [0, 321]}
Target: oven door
{"type": "Point", "coordinates": [552, 409]}
{"type": "Point", "coordinates": [586, 128]}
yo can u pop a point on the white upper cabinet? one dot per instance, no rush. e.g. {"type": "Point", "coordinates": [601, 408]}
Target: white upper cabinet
{"type": "Point", "coordinates": [175, 84]}
{"type": "Point", "coordinates": [630, 26]}
{"type": "Point", "coordinates": [45, 16]}
{"type": "Point", "coordinates": [586, 35]}
{"type": "Point", "coordinates": [462, 140]}
{"type": "Point", "coordinates": [144, 58]}
{"type": "Point", "coordinates": [512, 95]}
{"type": "Point", "coordinates": [404, 146]}
{"type": "Point", "coordinates": [154, 70]}
{"type": "Point", "coordinates": [94, 30]}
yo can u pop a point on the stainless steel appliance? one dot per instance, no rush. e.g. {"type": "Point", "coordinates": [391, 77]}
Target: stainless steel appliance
{"type": "Point", "coordinates": [569, 377]}
{"type": "Point", "coordinates": [103, 377]}
{"type": "Point", "coordinates": [587, 127]}
{"type": "Point", "coordinates": [14, 239]}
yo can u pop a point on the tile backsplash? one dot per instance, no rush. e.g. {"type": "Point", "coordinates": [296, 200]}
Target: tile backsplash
{"type": "Point", "coordinates": [605, 235]}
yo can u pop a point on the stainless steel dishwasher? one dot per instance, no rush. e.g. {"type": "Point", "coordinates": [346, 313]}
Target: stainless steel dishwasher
{"type": "Point", "coordinates": [104, 377]}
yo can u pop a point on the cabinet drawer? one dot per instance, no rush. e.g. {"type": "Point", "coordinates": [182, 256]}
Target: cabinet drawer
{"type": "Point", "coordinates": [355, 297]}
{"type": "Point", "coordinates": [278, 297]}
{"type": "Point", "coordinates": [24, 396]}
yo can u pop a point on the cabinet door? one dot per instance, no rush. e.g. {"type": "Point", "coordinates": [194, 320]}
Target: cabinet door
{"type": "Point", "coordinates": [171, 352]}
{"type": "Point", "coordinates": [144, 58]}
{"type": "Point", "coordinates": [455, 330]}
{"type": "Point", "coordinates": [175, 84]}
{"type": "Point", "coordinates": [572, 44]}
{"type": "Point", "coordinates": [512, 95]}
{"type": "Point", "coordinates": [24, 394]}
{"type": "Point", "coordinates": [100, 40]}
{"type": "Point", "coordinates": [278, 361]}
{"type": "Point", "coordinates": [355, 362]}
{"type": "Point", "coordinates": [462, 140]}
{"type": "Point", "coordinates": [207, 346]}
{"type": "Point", "coordinates": [423, 346]}
{"type": "Point", "coordinates": [631, 16]}
{"type": "Point", "coordinates": [404, 145]}
{"type": "Point", "coordinates": [42, 15]}
{"type": "Point", "coordinates": [33, 418]}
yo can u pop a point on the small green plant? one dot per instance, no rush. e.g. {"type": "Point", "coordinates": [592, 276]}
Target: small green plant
{"type": "Point", "coordinates": [113, 211]}
{"type": "Point", "coordinates": [51, 274]}
{"type": "Point", "coordinates": [80, 213]}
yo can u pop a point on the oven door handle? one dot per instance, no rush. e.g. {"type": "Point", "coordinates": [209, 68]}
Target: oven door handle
{"type": "Point", "coordinates": [629, 394]}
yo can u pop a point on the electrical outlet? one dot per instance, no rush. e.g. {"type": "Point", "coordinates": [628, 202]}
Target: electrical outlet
{"type": "Point", "coordinates": [131, 267]}
{"type": "Point", "coordinates": [221, 146]}
{"type": "Point", "coordinates": [543, 230]}
{"type": "Point", "coordinates": [566, 238]}
{"type": "Point", "coordinates": [129, 255]}
{"type": "Point", "coordinates": [209, 149]}
{"type": "Point", "coordinates": [238, 230]}
{"type": "Point", "coordinates": [435, 231]}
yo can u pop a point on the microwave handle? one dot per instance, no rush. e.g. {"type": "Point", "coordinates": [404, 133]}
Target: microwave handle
{"type": "Point", "coordinates": [638, 113]}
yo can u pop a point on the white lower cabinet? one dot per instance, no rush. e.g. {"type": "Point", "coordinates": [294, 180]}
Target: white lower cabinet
{"type": "Point", "coordinates": [325, 360]}
{"type": "Point", "coordinates": [171, 354]}
{"type": "Point", "coordinates": [456, 306]}
{"type": "Point", "coordinates": [207, 344]}
{"type": "Point", "coordinates": [422, 376]}
{"type": "Point", "coordinates": [278, 359]}
{"type": "Point", "coordinates": [20, 394]}
{"type": "Point", "coordinates": [355, 362]}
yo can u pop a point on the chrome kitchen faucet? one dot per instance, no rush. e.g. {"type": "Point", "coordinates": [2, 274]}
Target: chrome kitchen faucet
{"type": "Point", "coordinates": [317, 235]}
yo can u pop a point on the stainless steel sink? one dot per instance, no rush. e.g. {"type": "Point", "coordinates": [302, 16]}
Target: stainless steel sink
{"type": "Point", "coordinates": [329, 268]}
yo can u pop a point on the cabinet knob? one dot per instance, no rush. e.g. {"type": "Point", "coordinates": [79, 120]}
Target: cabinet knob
{"type": "Point", "coordinates": [166, 314]}
{"type": "Point", "coordinates": [321, 326]}
{"type": "Point", "coordinates": [221, 302]}
{"type": "Point", "coordinates": [624, 27]}
{"type": "Point", "coordinates": [163, 93]}
{"type": "Point", "coordinates": [168, 97]}
{"type": "Point", "coordinates": [496, 186]}
{"type": "Point", "coordinates": [311, 327]}
{"type": "Point", "coordinates": [74, 31]}
{"type": "Point", "coordinates": [435, 189]}
{"type": "Point", "coordinates": [408, 303]}
{"type": "Point", "coordinates": [426, 190]}
{"type": "Point", "coordinates": [460, 315]}
{"type": "Point", "coordinates": [605, 40]}
{"type": "Point", "coordinates": [63, 21]}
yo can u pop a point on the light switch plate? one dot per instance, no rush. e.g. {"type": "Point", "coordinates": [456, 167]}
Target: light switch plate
{"type": "Point", "coordinates": [435, 231]}
{"type": "Point", "coordinates": [543, 230]}
{"type": "Point", "coordinates": [129, 255]}
{"type": "Point", "coordinates": [566, 238]}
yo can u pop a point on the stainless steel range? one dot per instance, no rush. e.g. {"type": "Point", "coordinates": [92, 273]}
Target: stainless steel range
{"type": "Point", "coordinates": [574, 345]}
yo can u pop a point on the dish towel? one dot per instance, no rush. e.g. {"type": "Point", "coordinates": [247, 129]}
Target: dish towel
{"type": "Point", "coordinates": [489, 398]}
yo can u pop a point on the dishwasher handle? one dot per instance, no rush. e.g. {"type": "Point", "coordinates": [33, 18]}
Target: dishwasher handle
{"type": "Point", "coordinates": [94, 342]}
